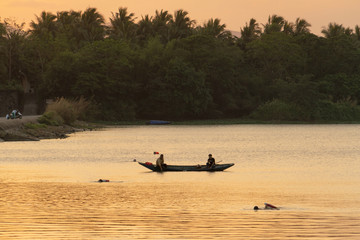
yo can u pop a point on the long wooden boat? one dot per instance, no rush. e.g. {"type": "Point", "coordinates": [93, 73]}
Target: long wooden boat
{"type": "Point", "coordinates": [178, 168]}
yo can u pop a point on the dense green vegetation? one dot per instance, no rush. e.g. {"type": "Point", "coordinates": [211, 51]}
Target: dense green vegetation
{"type": "Point", "coordinates": [167, 67]}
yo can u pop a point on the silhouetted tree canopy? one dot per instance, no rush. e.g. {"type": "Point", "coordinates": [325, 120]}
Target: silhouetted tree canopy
{"type": "Point", "coordinates": [166, 66]}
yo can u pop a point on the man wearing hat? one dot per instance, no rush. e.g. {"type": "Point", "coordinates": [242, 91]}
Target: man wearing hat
{"type": "Point", "coordinates": [211, 161]}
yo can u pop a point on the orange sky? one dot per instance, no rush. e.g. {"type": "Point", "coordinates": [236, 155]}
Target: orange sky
{"type": "Point", "coordinates": [234, 13]}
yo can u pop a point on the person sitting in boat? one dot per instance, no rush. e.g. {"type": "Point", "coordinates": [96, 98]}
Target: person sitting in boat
{"type": "Point", "coordinates": [211, 161]}
{"type": "Point", "coordinates": [160, 162]}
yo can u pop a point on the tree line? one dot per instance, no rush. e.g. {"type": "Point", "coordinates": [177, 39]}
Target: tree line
{"type": "Point", "coordinates": [167, 67]}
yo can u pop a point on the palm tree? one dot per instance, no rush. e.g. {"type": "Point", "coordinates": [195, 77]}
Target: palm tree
{"type": "Point", "coordinates": [333, 30]}
{"type": "Point", "coordinates": [145, 28]}
{"type": "Point", "coordinates": [161, 24]}
{"type": "Point", "coordinates": [68, 23]}
{"type": "Point", "coordinates": [357, 32]}
{"type": "Point", "coordinates": [91, 26]}
{"type": "Point", "coordinates": [301, 26]}
{"type": "Point", "coordinates": [251, 31]}
{"type": "Point", "coordinates": [67, 19]}
{"type": "Point", "coordinates": [45, 24]}
{"type": "Point", "coordinates": [213, 27]}
{"type": "Point", "coordinates": [288, 28]}
{"type": "Point", "coordinates": [348, 31]}
{"type": "Point", "coordinates": [180, 24]}
{"type": "Point", "coordinates": [275, 24]}
{"type": "Point", "coordinates": [162, 18]}
{"type": "Point", "coordinates": [122, 24]}
{"type": "Point", "coordinates": [13, 36]}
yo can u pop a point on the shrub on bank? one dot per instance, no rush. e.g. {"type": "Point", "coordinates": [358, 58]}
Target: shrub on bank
{"type": "Point", "coordinates": [51, 118]}
{"type": "Point", "coordinates": [64, 111]}
{"type": "Point", "coordinates": [277, 110]}
{"type": "Point", "coordinates": [342, 111]}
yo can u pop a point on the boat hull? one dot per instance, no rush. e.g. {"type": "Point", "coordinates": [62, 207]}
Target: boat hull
{"type": "Point", "coordinates": [192, 168]}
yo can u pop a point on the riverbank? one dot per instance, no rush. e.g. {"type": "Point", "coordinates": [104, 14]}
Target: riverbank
{"type": "Point", "coordinates": [222, 122]}
{"type": "Point", "coordinates": [29, 129]}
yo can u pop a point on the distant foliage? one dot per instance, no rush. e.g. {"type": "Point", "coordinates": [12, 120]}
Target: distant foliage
{"type": "Point", "coordinates": [167, 66]}
{"type": "Point", "coordinates": [342, 111]}
{"type": "Point", "coordinates": [277, 110]}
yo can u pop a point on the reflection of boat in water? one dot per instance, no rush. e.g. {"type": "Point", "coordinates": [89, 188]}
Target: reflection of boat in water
{"type": "Point", "coordinates": [178, 168]}
{"type": "Point", "coordinates": [158, 122]}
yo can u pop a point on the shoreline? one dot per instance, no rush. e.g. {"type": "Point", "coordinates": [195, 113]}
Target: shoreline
{"type": "Point", "coordinates": [222, 122]}
{"type": "Point", "coordinates": [29, 129]}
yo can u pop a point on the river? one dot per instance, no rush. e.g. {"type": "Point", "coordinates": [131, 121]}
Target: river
{"type": "Point", "coordinates": [49, 189]}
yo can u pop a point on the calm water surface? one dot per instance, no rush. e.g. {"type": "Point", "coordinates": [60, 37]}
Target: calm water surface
{"type": "Point", "coordinates": [49, 189]}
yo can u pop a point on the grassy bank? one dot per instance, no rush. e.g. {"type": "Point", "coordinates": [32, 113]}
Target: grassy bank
{"type": "Point", "coordinates": [34, 131]}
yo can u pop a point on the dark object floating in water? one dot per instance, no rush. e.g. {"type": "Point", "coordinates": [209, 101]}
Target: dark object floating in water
{"type": "Point", "coordinates": [267, 206]}
{"type": "Point", "coordinates": [157, 122]}
{"type": "Point", "coordinates": [178, 168]}
{"type": "Point", "coordinates": [103, 180]}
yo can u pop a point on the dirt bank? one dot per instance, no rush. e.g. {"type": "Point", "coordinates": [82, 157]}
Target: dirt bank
{"type": "Point", "coordinates": [28, 129]}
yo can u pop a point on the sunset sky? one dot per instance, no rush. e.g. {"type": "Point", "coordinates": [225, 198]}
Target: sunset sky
{"type": "Point", "coordinates": [234, 13]}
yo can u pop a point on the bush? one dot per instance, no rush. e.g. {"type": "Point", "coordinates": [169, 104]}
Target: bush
{"type": "Point", "coordinates": [80, 107]}
{"type": "Point", "coordinates": [51, 118]}
{"type": "Point", "coordinates": [120, 112]}
{"type": "Point", "coordinates": [92, 112]}
{"type": "Point", "coordinates": [277, 110]}
{"type": "Point", "coordinates": [69, 110]}
{"type": "Point", "coordinates": [343, 111]}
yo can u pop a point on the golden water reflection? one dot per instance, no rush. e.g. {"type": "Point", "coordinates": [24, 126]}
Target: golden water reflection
{"type": "Point", "coordinates": [48, 189]}
{"type": "Point", "coordinates": [161, 211]}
